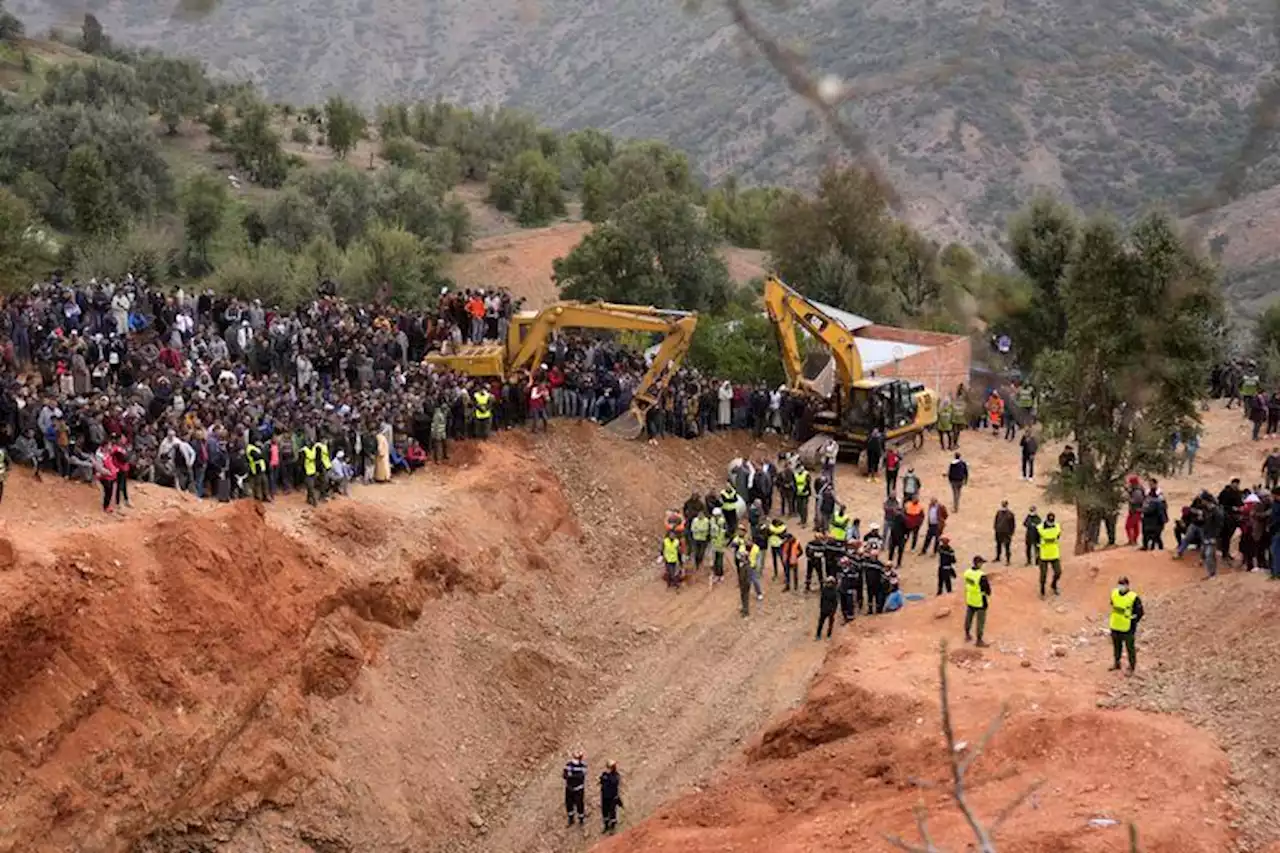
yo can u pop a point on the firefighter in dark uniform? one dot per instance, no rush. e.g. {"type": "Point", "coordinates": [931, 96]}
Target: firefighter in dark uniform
{"type": "Point", "coordinates": [575, 788]}
{"type": "Point", "coordinates": [850, 583]}
{"type": "Point", "coordinates": [873, 577]}
{"type": "Point", "coordinates": [610, 797]}
{"type": "Point", "coordinates": [827, 607]}
{"type": "Point", "coordinates": [815, 554]}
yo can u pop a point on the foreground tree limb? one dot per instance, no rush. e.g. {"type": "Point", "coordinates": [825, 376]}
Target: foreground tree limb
{"type": "Point", "coordinates": [960, 766]}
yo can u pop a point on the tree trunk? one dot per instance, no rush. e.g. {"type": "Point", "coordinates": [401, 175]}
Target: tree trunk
{"type": "Point", "coordinates": [1083, 543]}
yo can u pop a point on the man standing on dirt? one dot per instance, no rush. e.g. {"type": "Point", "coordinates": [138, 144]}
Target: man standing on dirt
{"type": "Point", "coordinates": [575, 789]}
{"type": "Point", "coordinates": [977, 595]}
{"type": "Point", "coordinates": [610, 797]}
{"type": "Point", "coordinates": [1049, 535]}
{"type": "Point", "coordinates": [1004, 525]}
{"type": "Point", "coordinates": [1271, 468]}
{"type": "Point", "coordinates": [803, 486]}
{"type": "Point", "coordinates": [742, 561]}
{"type": "Point", "coordinates": [815, 554]}
{"type": "Point", "coordinates": [1031, 525]}
{"type": "Point", "coordinates": [719, 542]}
{"type": "Point", "coordinates": [958, 477]}
{"type": "Point", "coordinates": [1126, 612]}
{"type": "Point", "coordinates": [827, 607]}
{"type": "Point", "coordinates": [700, 535]}
{"type": "Point", "coordinates": [1030, 445]}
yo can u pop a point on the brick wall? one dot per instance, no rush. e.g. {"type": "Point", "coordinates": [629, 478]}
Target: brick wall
{"type": "Point", "coordinates": [942, 367]}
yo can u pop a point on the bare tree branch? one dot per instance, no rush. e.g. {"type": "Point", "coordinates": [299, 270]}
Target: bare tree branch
{"type": "Point", "coordinates": [791, 66]}
{"type": "Point", "coordinates": [1007, 812]}
{"type": "Point", "coordinates": [958, 766]}
{"type": "Point", "coordinates": [976, 751]}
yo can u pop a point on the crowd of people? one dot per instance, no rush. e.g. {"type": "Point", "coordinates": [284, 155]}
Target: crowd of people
{"type": "Point", "coordinates": [112, 381]}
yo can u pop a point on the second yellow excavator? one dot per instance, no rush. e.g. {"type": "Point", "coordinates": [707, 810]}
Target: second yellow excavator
{"type": "Point", "coordinates": [848, 408]}
{"type": "Point", "coordinates": [529, 335]}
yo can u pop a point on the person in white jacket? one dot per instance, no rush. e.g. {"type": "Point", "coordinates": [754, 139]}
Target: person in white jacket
{"type": "Point", "coordinates": [725, 395]}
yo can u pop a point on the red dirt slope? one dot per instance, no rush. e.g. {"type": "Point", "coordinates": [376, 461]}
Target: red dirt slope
{"type": "Point", "coordinates": [851, 764]}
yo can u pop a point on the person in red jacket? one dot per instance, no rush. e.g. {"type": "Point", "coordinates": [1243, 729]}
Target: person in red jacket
{"type": "Point", "coordinates": [104, 469]}
{"type": "Point", "coordinates": [120, 458]}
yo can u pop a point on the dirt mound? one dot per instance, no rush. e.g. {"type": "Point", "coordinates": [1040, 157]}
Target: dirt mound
{"type": "Point", "coordinates": [1215, 663]}
{"type": "Point", "coordinates": [834, 710]}
{"type": "Point", "coordinates": [138, 666]}
{"type": "Point", "coordinates": [354, 524]}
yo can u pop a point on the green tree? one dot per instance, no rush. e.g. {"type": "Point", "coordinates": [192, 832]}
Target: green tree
{"type": "Point", "coordinates": [347, 197]}
{"type": "Point", "coordinates": [741, 346]}
{"type": "Point", "coordinates": [256, 146]}
{"type": "Point", "coordinates": [95, 210]}
{"type": "Point", "coordinates": [1042, 239]}
{"type": "Point", "coordinates": [400, 151]}
{"type": "Point", "coordinates": [93, 39]}
{"type": "Point", "coordinates": [344, 126]}
{"type": "Point", "coordinates": [457, 222]}
{"type": "Point", "coordinates": [1141, 308]}
{"type": "Point", "coordinates": [409, 200]}
{"type": "Point", "coordinates": [912, 266]}
{"type": "Point", "coordinates": [293, 219]}
{"type": "Point", "coordinates": [743, 217]}
{"type": "Point", "coordinates": [390, 262]}
{"type": "Point", "coordinates": [101, 83]}
{"type": "Point", "coordinates": [174, 88]}
{"type": "Point", "coordinates": [11, 26]}
{"type": "Point", "coordinates": [849, 215]}
{"type": "Point", "coordinates": [204, 203]}
{"type": "Point", "coordinates": [529, 187]}
{"type": "Point", "coordinates": [1266, 332]}
{"type": "Point", "coordinates": [598, 192]}
{"type": "Point", "coordinates": [217, 121]}
{"type": "Point", "coordinates": [23, 250]}
{"type": "Point", "coordinates": [656, 250]}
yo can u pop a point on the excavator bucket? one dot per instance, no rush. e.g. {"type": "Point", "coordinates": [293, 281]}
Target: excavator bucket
{"type": "Point", "coordinates": [627, 425]}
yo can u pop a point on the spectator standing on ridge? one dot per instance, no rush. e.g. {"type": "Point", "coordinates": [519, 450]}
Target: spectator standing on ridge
{"type": "Point", "coordinates": [958, 477]}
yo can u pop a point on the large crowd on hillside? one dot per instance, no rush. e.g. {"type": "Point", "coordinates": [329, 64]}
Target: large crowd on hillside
{"type": "Point", "coordinates": [120, 380]}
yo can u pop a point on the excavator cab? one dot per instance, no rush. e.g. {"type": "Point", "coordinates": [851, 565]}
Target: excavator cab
{"type": "Point", "coordinates": [890, 404]}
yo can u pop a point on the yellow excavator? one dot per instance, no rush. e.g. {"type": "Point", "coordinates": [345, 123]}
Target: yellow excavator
{"type": "Point", "coordinates": [530, 332]}
{"type": "Point", "coordinates": [847, 405]}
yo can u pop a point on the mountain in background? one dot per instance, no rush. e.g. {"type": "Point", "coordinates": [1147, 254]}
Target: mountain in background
{"type": "Point", "coordinates": [971, 104]}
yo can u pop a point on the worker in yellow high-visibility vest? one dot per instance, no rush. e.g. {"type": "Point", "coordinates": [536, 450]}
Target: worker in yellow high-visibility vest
{"type": "Point", "coordinates": [977, 594]}
{"type": "Point", "coordinates": [1126, 611]}
{"type": "Point", "coordinates": [671, 558]}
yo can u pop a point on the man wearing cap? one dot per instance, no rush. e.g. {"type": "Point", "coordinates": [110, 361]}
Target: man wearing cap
{"type": "Point", "coordinates": [1050, 534]}
{"type": "Point", "coordinates": [977, 594]}
{"type": "Point", "coordinates": [610, 797]}
{"type": "Point", "coordinates": [575, 787]}
{"type": "Point", "coordinates": [827, 603]}
{"type": "Point", "coordinates": [1126, 612]}
{"type": "Point", "coordinates": [1031, 525]}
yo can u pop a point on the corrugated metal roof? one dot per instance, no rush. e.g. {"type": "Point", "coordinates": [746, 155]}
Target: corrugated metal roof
{"type": "Point", "coordinates": [852, 322]}
{"type": "Point", "coordinates": [877, 353]}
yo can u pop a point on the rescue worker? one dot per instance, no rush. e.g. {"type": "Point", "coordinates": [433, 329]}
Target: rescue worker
{"type": "Point", "coordinates": [946, 565]}
{"type": "Point", "coordinates": [1126, 612]}
{"type": "Point", "coordinates": [791, 553]}
{"type": "Point", "coordinates": [850, 580]}
{"type": "Point", "coordinates": [700, 534]}
{"type": "Point", "coordinates": [257, 470]}
{"type": "Point", "coordinates": [839, 527]}
{"type": "Point", "coordinates": [674, 524]}
{"type": "Point", "coordinates": [1026, 401]}
{"type": "Point", "coordinates": [309, 471]}
{"type": "Point", "coordinates": [756, 558]}
{"type": "Point", "coordinates": [803, 487]}
{"type": "Point", "coordinates": [729, 503]}
{"type": "Point", "coordinates": [719, 542]}
{"type": "Point", "coordinates": [1031, 527]}
{"type": "Point", "coordinates": [1049, 535]}
{"type": "Point", "coordinates": [483, 411]}
{"type": "Point", "coordinates": [977, 595]}
{"type": "Point", "coordinates": [777, 529]}
{"type": "Point", "coordinates": [322, 470]}
{"type": "Point", "coordinates": [742, 562]}
{"type": "Point", "coordinates": [610, 797]}
{"type": "Point", "coordinates": [873, 577]}
{"type": "Point", "coordinates": [575, 788]}
{"type": "Point", "coordinates": [827, 607]}
{"type": "Point", "coordinates": [671, 558]}
{"type": "Point", "coordinates": [945, 414]}
{"type": "Point", "coordinates": [1249, 385]}
{"type": "Point", "coordinates": [815, 554]}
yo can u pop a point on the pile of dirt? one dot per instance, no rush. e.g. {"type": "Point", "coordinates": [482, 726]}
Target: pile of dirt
{"type": "Point", "coordinates": [1213, 660]}
{"type": "Point", "coordinates": [145, 673]}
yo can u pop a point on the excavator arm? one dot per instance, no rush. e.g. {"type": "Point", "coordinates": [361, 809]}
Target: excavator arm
{"type": "Point", "coordinates": [788, 309]}
{"type": "Point", "coordinates": [529, 336]}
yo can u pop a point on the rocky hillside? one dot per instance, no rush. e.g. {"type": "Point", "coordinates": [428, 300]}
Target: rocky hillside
{"type": "Point", "coordinates": [971, 102]}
